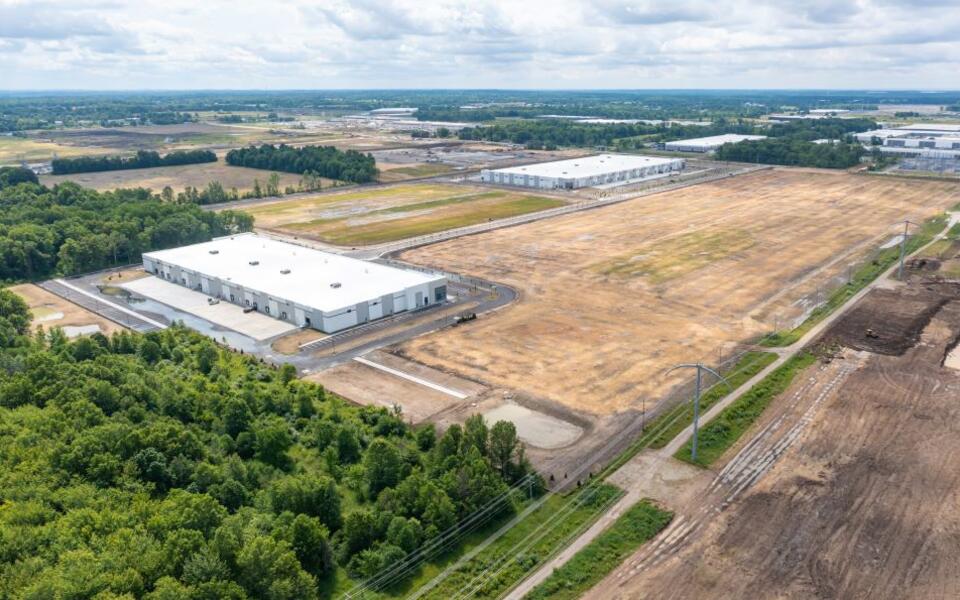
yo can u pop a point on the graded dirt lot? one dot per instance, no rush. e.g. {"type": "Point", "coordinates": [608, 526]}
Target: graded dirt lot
{"type": "Point", "coordinates": [177, 178]}
{"type": "Point", "coordinates": [864, 504]}
{"type": "Point", "coordinates": [390, 172]}
{"type": "Point", "coordinates": [14, 150]}
{"type": "Point", "coordinates": [384, 214]}
{"type": "Point", "coordinates": [50, 310]}
{"type": "Point", "coordinates": [610, 298]}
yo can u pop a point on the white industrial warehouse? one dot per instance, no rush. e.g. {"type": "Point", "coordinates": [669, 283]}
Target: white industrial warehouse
{"type": "Point", "coordinates": [303, 286]}
{"type": "Point", "coordinates": [585, 172]}
{"type": "Point", "coordinates": [709, 144]}
{"type": "Point", "coordinates": [940, 140]}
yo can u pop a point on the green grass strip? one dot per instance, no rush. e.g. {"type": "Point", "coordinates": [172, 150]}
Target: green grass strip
{"type": "Point", "coordinates": [749, 365]}
{"type": "Point", "coordinates": [724, 431]}
{"type": "Point", "coordinates": [861, 278]}
{"type": "Point", "coordinates": [580, 509]}
{"type": "Point", "coordinates": [601, 556]}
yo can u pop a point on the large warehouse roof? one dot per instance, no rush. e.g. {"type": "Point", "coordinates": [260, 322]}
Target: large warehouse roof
{"type": "Point", "coordinates": [717, 140]}
{"type": "Point", "coordinates": [290, 272]}
{"type": "Point", "coordinates": [588, 166]}
{"type": "Point", "coordinates": [932, 127]}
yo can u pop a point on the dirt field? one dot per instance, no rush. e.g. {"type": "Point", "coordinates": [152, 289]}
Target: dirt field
{"type": "Point", "coordinates": [179, 177]}
{"type": "Point", "coordinates": [865, 503]}
{"type": "Point", "coordinates": [367, 385]}
{"type": "Point", "coordinates": [610, 298]}
{"type": "Point", "coordinates": [391, 213]}
{"type": "Point", "coordinates": [390, 172]}
{"type": "Point", "coordinates": [14, 150]}
{"type": "Point", "coordinates": [50, 311]}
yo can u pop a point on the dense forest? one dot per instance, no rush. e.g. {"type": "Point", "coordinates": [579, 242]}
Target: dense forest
{"type": "Point", "coordinates": [792, 151]}
{"type": "Point", "coordinates": [323, 161]}
{"type": "Point", "coordinates": [161, 466]}
{"type": "Point", "coordinates": [143, 159]}
{"type": "Point", "coordinates": [68, 229]}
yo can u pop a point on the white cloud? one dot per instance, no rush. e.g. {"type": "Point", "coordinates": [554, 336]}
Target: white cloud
{"type": "Point", "coordinates": [180, 44]}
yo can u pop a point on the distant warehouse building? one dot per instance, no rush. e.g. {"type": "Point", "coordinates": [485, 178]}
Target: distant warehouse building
{"type": "Point", "coordinates": [599, 170]}
{"type": "Point", "coordinates": [937, 140]}
{"type": "Point", "coordinates": [709, 144]}
{"type": "Point", "coordinates": [303, 286]}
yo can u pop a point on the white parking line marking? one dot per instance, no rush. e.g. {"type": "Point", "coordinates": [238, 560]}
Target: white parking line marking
{"type": "Point", "coordinates": [408, 377]}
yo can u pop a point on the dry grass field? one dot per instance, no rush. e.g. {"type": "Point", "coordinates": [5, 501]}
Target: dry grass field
{"type": "Point", "coordinates": [390, 172]}
{"type": "Point", "coordinates": [611, 298]}
{"type": "Point", "coordinates": [385, 214]}
{"type": "Point", "coordinates": [178, 178]}
{"type": "Point", "coordinates": [14, 150]}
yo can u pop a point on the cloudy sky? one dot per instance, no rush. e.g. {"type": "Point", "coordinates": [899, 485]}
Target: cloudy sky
{"type": "Point", "coordinates": [180, 44]}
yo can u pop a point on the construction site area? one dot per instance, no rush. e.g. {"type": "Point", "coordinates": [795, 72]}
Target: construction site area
{"type": "Point", "coordinates": [610, 298]}
{"type": "Point", "coordinates": [389, 213]}
{"type": "Point", "coordinates": [845, 488]}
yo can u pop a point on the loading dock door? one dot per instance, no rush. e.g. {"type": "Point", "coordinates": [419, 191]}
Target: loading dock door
{"type": "Point", "coordinates": [274, 308]}
{"type": "Point", "coordinates": [299, 317]}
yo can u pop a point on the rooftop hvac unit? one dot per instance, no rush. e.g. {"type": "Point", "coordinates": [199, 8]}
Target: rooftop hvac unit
{"type": "Point", "coordinates": [214, 252]}
{"type": "Point", "coordinates": [284, 271]}
{"type": "Point", "coordinates": [335, 284]}
{"type": "Point", "coordinates": [254, 263]}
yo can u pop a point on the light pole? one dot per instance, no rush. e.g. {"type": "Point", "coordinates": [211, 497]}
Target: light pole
{"type": "Point", "coordinates": [700, 367]}
{"type": "Point", "coordinates": [903, 246]}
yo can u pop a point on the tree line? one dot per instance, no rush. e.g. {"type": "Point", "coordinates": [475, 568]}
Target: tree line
{"type": "Point", "coordinates": [792, 151]}
{"type": "Point", "coordinates": [161, 466]}
{"type": "Point", "coordinates": [68, 229]}
{"type": "Point", "coordinates": [552, 133]}
{"type": "Point", "coordinates": [215, 193]}
{"type": "Point", "coordinates": [143, 159]}
{"type": "Point", "coordinates": [323, 161]}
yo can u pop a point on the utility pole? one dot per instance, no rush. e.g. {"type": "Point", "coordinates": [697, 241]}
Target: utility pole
{"type": "Point", "coordinates": [700, 367]}
{"type": "Point", "coordinates": [903, 246]}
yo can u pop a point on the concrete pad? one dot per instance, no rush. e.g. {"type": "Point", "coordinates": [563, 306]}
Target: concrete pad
{"type": "Point", "coordinates": [662, 478]}
{"type": "Point", "coordinates": [72, 331]}
{"type": "Point", "coordinates": [255, 325]}
{"type": "Point", "coordinates": [536, 428]}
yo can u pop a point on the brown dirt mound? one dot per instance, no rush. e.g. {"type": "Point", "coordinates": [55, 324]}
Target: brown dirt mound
{"type": "Point", "coordinates": [890, 321]}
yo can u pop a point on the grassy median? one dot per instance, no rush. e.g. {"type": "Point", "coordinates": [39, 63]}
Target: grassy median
{"type": "Point", "coordinates": [528, 544]}
{"type": "Point", "coordinates": [723, 431]}
{"type": "Point", "coordinates": [639, 524]}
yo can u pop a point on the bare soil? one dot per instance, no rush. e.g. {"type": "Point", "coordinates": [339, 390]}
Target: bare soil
{"type": "Point", "coordinates": [367, 385]}
{"type": "Point", "coordinates": [890, 321]}
{"type": "Point", "coordinates": [610, 298]}
{"type": "Point", "coordinates": [179, 177]}
{"type": "Point", "coordinates": [50, 310]}
{"type": "Point", "coordinates": [865, 503]}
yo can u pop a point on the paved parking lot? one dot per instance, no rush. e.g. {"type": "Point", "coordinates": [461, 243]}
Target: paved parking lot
{"type": "Point", "coordinates": [254, 325]}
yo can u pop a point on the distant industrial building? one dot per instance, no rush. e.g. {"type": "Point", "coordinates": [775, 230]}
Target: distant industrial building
{"type": "Point", "coordinates": [599, 170]}
{"type": "Point", "coordinates": [934, 140]}
{"type": "Point", "coordinates": [709, 144]}
{"type": "Point", "coordinates": [303, 286]}
{"type": "Point", "coordinates": [396, 110]}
